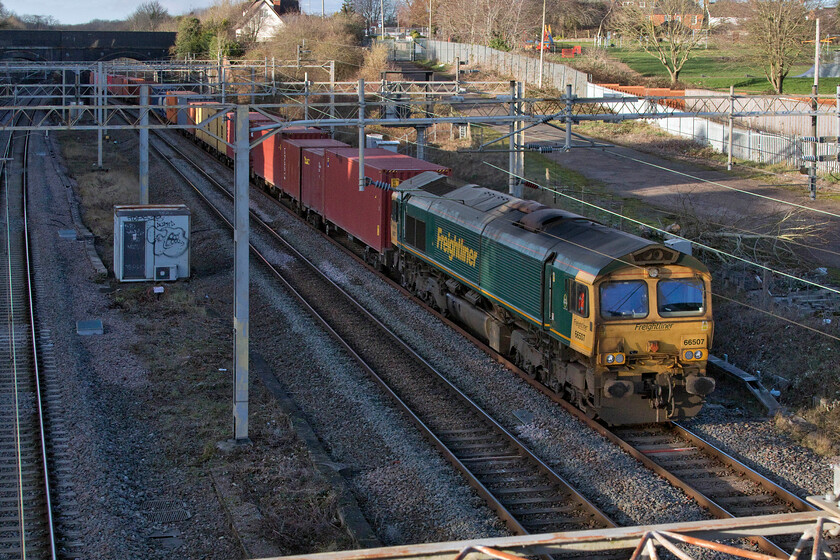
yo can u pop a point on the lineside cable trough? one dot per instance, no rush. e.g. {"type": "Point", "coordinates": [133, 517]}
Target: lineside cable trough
{"type": "Point", "coordinates": [750, 382]}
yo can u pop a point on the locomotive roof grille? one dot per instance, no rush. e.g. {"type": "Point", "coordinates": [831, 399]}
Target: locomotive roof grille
{"type": "Point", "coordinates": [439, 187]}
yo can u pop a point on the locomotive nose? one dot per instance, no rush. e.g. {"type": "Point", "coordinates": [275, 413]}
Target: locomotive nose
{"type": "Point", "coordinates": [699, 385]}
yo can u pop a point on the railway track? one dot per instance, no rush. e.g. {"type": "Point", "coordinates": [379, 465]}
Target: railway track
{"type": "Point", "coordinates": [717, 481]}
{"type": "Point", "coordinates": [26, 516]}
{"type": "Point", "coordinates": [526, 494]}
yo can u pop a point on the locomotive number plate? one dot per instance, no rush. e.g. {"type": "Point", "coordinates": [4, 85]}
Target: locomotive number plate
{"type": "Point", "coordinates": [694, 342]}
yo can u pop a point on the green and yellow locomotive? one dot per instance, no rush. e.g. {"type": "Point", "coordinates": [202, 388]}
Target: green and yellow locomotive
{"type": "Point", "coordinates": [619, 324]}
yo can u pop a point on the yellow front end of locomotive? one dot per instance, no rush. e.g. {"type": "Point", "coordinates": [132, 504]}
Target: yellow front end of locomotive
{"type": "Point", "coordinates": [654, 330]}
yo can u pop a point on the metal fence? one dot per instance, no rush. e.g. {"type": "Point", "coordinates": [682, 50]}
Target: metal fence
{"type": "Point", "coordinates": [521, 68]}
{"type": "Point", "coordinates": [747, 143]}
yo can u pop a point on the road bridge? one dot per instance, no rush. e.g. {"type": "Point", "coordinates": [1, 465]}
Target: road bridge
{"type": "Point", "coordinates": [84, 46]}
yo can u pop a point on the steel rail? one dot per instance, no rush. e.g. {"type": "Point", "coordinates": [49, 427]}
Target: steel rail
{"type": "Point", "coordinates": [492, 500]}
{"type": "Point", "coordinates": [13, 347]}
{"type": "Point", "coordinates": [35, 356]}
{"type": "Point", "coordinates": [34, 367]}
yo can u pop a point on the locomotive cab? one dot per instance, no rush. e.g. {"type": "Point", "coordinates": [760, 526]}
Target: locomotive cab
{"type": "Point", "coordinates": [652, 332]}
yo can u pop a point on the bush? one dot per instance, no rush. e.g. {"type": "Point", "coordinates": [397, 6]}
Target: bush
{"type": "Point", "coordinates": [499, 43]}
{"type": "Point", "coordinates": [375, 62]}
{"type": "Point", "coordinates": [336, 38]}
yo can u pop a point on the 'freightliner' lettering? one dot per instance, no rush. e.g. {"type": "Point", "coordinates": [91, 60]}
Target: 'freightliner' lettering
{"type": "Point", "coordinates": [653, 326]}
{"type": "Point", "coordinates": [455, 248]}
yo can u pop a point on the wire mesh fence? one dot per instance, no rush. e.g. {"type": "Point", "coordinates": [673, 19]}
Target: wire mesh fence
{"type": "Point", "coordinates": [747, 143]}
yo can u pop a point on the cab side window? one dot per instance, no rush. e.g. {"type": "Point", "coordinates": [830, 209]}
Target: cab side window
{"type": "Point", "coordinates": [577, 298]}
{"type": "Point", "coordinates": [415, 232]}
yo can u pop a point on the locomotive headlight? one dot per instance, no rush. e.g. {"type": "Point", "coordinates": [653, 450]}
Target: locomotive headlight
{"type": "Point", "coordinates": [653, 272]}
{"type": "Point", "coordinates": [614, 359]}
{"type": "Point", "coordinates": [698, 354]}
{"type": "Point", "coordinates": [689, 355]}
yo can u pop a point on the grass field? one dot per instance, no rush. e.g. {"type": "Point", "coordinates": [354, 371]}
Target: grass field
{"type": "Point", "coordinates": [718, 68]}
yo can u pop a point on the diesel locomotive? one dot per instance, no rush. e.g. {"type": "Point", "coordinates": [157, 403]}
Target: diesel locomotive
{"type": "Point", "coordinates": [619, 324]}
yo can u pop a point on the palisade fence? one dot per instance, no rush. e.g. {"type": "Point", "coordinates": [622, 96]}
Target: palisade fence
{"type": "Point", "coordinates": [521, 68]}
{"type": "Point", "coordinates": [747, 143]}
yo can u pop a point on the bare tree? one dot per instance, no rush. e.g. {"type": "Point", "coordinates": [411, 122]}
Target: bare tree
{"type": "Point", "coordinates": [254, 21]}
{"type": "Point", "coordinates": [148, 16]}
{"type": "Point", "coordinates": [777, 29]}
{"type": "Point", "coordinates": [489, 22]}
{"type": "Point", "coordinates": [39, 22]}
{"type": "Point", "coordinates": [569, 16]}
{"type": "Point", "coordinates": [370, 10]}
{"type": "Point", "coordinates": [668, 30]}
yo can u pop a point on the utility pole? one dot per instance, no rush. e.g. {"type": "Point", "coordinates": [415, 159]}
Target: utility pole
{"type": "Point", "coordinates": [512, 140]}
{"type": "Point", "coordinates": [812, 172]}
{"type": "Point", "coordinates": [430, 20]}
{"type": "Point", "coordinates": [382, 17]}
{"type": "Point", "coordinates": [542, 50]}
{"type": "Point", "coordinates": [731, 126]}
{"type": "Point", "coordinates": [100, 111]}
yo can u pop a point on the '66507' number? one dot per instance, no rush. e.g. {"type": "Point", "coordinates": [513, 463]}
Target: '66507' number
{"type": "Point", "coordinates": [694, 342]}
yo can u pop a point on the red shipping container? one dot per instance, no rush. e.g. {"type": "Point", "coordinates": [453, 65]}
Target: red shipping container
{"type": "Point", "coordinates": [271, 169]}
{"type": "Point", "coordinates": [290, 156]}
{"type": "Point", "coordinates": [366, 215]}
{"type": "Point", "coordinates": [304, 132]}
{"type": "Point", "coordinates": [255, 119]}
{"type": "Point", "coordinates": [312, 179]}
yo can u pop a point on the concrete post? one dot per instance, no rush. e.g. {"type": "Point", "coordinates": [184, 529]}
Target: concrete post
{"type": "Point", "coordinates": [332, 96]}
{"type": "Point", "coordinates": [421, 142]}
{"type": "Point", "coordinates": [64, 95]}
{"type": "Point", "coordinates": [520, 154]}
{"type": "Point", "coordinates": [569, 106]}
{"type": "Point", "coordinates": [731, 126]}
{"type": "Point", "coordinates": [306, 96]}
{"type": "Point", "coordinates": [241, 278]}
{"type": "Point", "coordinates": [837, 106]}
{"type": "Point", "coordinates": [144, 144]}
{"type": "Point", "coordinates": [253, 84]}
{"type": "Point", "coordinates": [512, 140]}
{"type": "Point", "coordinates": [812, 171]}
{"type": "Point", "coordinates": [361, 134]}
{"type": "Point", "coordinates": [223, 79]}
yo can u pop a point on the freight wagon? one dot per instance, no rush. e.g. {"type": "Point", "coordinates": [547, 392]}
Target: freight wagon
{"type": "Point", "coordinates": [366, 215]}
